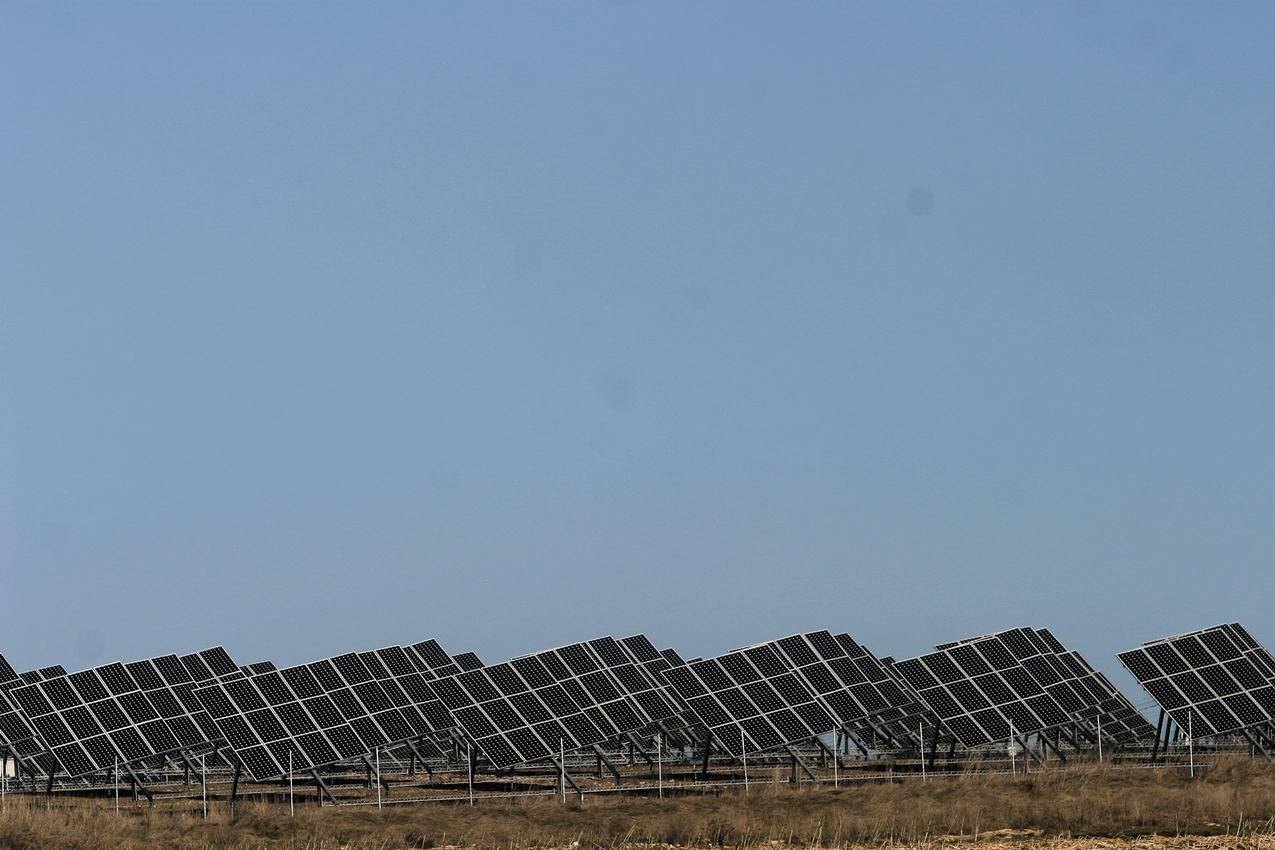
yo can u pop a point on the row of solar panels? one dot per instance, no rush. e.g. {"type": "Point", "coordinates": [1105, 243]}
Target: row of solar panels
{"type": "Point", "coordinates": [420, 700]}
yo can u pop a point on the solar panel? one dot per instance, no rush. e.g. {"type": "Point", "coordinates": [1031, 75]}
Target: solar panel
{"type": "Point", "coordinates": [16, 733]}
{"type": "Point", "coordinates": [256, 668]}
{"type": "Point", "coordinates": [524, 710]}
{"type": "Point", "coordinates": [90, 720]}
{"type": "Point", "coordinates": [32, 676]}
{"type": "Point", "coordinates": [430, 657]}
{"type": "Point", "coordinates": [19, 737]}
{"type": "Point", "coordinates": [181, 678]}
{"type": "Point", "coordinates": [1065, 676]}
{"type": "Point", "coordinates": [648, 690]}
{"type": "Point", "coordinates": [980, 690]}
{"type": "Point", "coordinates": [469, 661]}
{"type": "Point", "coordinates": [1063, 673]}
{"type": "Point", "coordinates": [1106, 709]}
{"type": "Point", "coordinates": [750, 700]}
{"type": "Point", "coordinates": [327, 711]}
{"type": "Point", "coordinates": [824, 665]}
{"type": "Point", "coordinates": [1215, 681]}
{"type": "Point", "coordinates": [641, 651]}
{"type": "Point", "coordinates": [1117, 717]}
{"type": "Point", "coordinates": [902, 703]}
{"type": "Point", "coordinates": [674, 730]}
{"type": "Point", "coordinates": [673, 657]}
{"type": "Point", "coordinates": [210, 664]}
{"type": "Point", "coordinates": [1061, 677]}
{"type": "Point", "coordinates": [902, 731]}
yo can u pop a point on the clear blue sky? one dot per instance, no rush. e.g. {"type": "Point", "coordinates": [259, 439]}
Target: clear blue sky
{"type": "Point", "coordinates": [331, 326]}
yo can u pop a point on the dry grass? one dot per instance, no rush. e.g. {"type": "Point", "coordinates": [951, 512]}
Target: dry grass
{"type": "Point", "coordinates": [1233, 799]}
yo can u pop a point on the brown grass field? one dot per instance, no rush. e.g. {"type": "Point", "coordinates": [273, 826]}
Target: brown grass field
{"type": "Point", "coordinates": [1232, 804]}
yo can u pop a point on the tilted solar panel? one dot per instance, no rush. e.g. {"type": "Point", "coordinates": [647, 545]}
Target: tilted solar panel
{"type": "Point", "coordinates": [1083, 692]}
{"type": "Point", "coordinates": [1215, 681]}
{"type": "Point", "coordinates": [526, 709]}
{"type": "Point", "coordinates": [674, 730]}
{"type": "Point", "coordinates": [642, 652]}
{"type": "Point", "coordinates": [32, 676]}
{"type": "Point", "coordinates": [889, 688]}
{"type": "Point", "coordinates": [981, 690]}
{"type": "Point", "coordinates": [430, 657]}
{"type": "Point", "coordinates": [750, 700]}
{"type": "Point", "coordinates": [17, 735]}
{"type": "Point", "coordinates": [264, 721]}
{"type": "Point", "coordinates": [92, 719]}
{"type": "Point", "coordinates": [327, 711]}
{"type": "Point", "coordinates": [673, 657]}
{"type": "Point", "coordinates": [7, 673]}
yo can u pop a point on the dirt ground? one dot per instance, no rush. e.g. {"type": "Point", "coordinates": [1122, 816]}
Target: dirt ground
{"type": "Point", "coordinates": [1232, 805]}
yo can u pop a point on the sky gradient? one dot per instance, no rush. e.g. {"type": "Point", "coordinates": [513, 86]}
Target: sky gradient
{"type": "Point", "coordinates": [325, 327]}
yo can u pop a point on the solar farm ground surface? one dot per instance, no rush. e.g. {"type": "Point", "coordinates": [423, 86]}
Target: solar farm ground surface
{"type": "Point", "coordinates": [1077, 808]}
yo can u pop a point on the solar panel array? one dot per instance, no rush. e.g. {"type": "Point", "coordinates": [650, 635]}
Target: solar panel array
{"type": "Point", "coordinates": [324, 712]}
{"type": "Point", "coordinates": [1062, 674]}
{"type": "Point", "coordinates": [822, 663]}
{"type": "Point", "coordinates": [1085, 694]}
{"type": "Point", "coordinates": [752, 700]}
{"type": "Point", "coordinates": [119, 713]}
{"type": "Point", "coordinates": [897, 732]}
{"type": "Point", "coordinates": [1215, 681]}
{"type": "Point", "coordinates": [1117, 718]}
{"type": "Point", "coordinates": [642, 652]}
{"type": "Point", "coordinates": [573, 697]}
{"type": "Point", "coordinates": [675, 731]}
{"type": "Point", "coordinates": [981, 689]}
{"type": "Point", "coordinates": [900, 703]}
{"type": "Point", "coordinates": [412, 699]}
